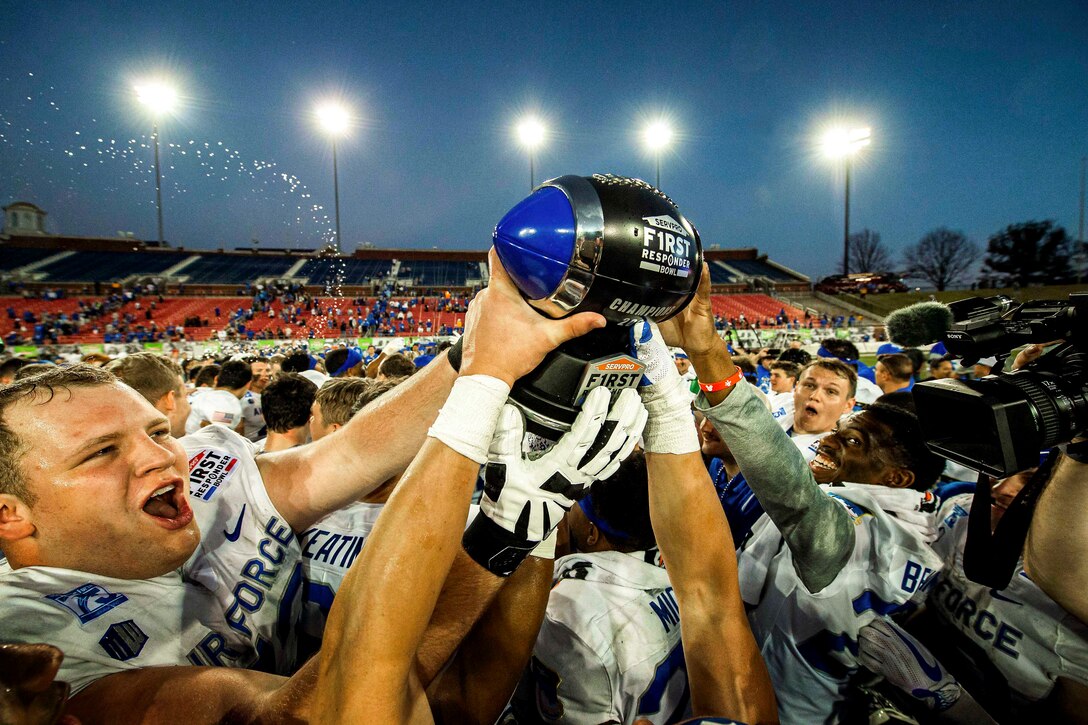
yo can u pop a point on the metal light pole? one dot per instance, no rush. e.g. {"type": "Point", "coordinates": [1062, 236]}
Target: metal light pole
{"type": "Point", "coordinates": [159, 99]}
{"type": "Point", "coordinates": [336, 194]}
{"type": "Point", "coordinates": [158, 179]}
{"type": "Point", "coordinates": [842, 143]}
{"type": "Point", "coordinates": [335, 119]}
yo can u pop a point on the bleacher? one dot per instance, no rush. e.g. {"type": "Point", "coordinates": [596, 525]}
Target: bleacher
{"type": "Point", "coordinates": [755, 308]}
{"type": "Point", "coordinates": [721, 274]}
{"type": "Point", "coordinates": [348, 271]}
{"type": "Point", "coordinates": [759, 268]}
{"type": "Point", "coordinates": [236, 268]}
{"type": "Point", "coordinates": [15, 257]}
{"type": "Point", "coordinates": [107, 266]}
{"type": "Point", "coordinates": [439, 273]}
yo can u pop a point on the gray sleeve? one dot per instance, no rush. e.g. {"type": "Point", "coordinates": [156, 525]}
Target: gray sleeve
{"type": "Point", "coordinates": [816, 528]}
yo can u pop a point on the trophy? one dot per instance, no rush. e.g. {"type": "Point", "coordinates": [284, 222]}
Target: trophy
{"type": "Point", "coordinates": [605, 244]}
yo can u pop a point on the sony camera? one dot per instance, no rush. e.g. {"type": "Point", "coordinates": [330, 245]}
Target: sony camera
{"type": "Point", "coordinates": [997, 425]}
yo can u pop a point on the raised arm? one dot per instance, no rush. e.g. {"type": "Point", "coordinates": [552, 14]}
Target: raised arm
{"type": "Point", "coordinates": [727, 675]}
{"type": "Point", "coordinates": [367, 668]}
{"type": "Point", "coordinates": [816, 528]}
{"type": "Point", "coordinates": [309, 482]}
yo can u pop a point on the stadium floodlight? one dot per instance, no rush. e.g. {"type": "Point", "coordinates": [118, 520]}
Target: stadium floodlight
{"type": "Point", "coordinates": [657, 136]}
{"type": "Point", "coordinates": [844, 143]}
{"type": "Point", "coordinates": [160, 99]}
{"type": "Point", "coordinates": [531, 133]}
{"type": "Point", "coordinates": [334, 119]}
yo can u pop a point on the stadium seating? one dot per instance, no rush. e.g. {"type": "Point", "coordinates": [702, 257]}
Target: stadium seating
{"type": "Point", "coordinates": [759, 268]}
{"type": "Point", "coordinates": [721, 274]}
{"type": "Point", "coordinates": [236, 269]}
{"type": "Point", "coordinates": [107, 266]}
{"type": "Point", "coordinates": [755, 308]}
{"type": "Point", "coordinates": [439, 273]}
{"type": "Point", "coordinates": [330, 271]}
{"type": "Point", "coordinates": [14, 257]}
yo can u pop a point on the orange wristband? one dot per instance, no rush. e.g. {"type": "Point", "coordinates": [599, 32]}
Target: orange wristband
{"type": "Point", "coordinates": [723, 384]}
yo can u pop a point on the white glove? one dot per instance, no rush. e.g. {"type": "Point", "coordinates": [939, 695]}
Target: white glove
{"type": "Point", "coordinates": [671, 425]}
{"type": "Point", "coordinates": [528, 496]}
{"type": "Point", "coordinates": [886, 649]}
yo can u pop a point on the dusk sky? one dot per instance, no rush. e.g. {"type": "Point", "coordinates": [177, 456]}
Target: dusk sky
{"type": "Point", "coordinates": [978, 110]}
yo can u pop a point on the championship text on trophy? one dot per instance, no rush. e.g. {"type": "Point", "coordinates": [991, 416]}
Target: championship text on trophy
{"type": "Point", "coordinates": [604, 244]}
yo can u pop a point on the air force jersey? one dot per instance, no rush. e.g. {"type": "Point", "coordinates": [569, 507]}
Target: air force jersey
{"type": "Point", "coordinates": [809, 641]}
{"type": "Point", "coordinates": [249, 557]}
{"type": "Point", "coordinates": [255, 427]}
{"type": "Point", "coordinates": [1028, 636]}
{"type": "Point", "coordinates": [609, 646]}
{"type": "Point", "coordinates": [105, 625]}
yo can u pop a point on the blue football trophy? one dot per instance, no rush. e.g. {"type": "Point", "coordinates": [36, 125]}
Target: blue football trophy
{"type": "Point", "coordinates": [600, 243]}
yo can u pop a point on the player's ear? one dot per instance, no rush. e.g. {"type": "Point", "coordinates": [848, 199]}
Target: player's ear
{"type": "Point", "coordinates": [15, 518]}
{"type": "Point", "coordinates": [593, 534]}
{"type": "Point", "coordinates": [899, 478]}
{"type": "Point", "coordinates": [167, 403]}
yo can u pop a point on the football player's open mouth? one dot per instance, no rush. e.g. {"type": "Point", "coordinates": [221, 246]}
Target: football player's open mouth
{"type": "Point", "coordinates": [168, 507]}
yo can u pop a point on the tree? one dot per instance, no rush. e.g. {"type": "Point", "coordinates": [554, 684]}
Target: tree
{"type": "Point", "coordinates": [941, 257]}
{"type": "Point", "coordinates": [1029, 253]}
{"type": "Point", "coordinates": [868, 253]}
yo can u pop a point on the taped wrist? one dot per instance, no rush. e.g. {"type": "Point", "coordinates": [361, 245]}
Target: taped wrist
{"type": "Point", "coordinates": [467, 420]}
{"type": "Point", "coordinates": [670, 427]}
{"type": "Point", "coordinates": [494, 548]}
{"type": "Point", "coordinates": [453, 354]}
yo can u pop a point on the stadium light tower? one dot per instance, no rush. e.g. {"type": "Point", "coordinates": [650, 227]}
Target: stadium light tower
{"type": "Point", "coordinates": [334, 120]}
{"type": "Point", "coordinates": [657, 136]}
{"type": "Point", "coordinates": [841, 143]}
{"type": "Point", "coordinates": [159, 99]}
{"type": "Point", "coordinates": [531, 134]}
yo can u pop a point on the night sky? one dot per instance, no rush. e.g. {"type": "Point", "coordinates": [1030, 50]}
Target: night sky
{"type": "Point", "coordinates": [978, 110]}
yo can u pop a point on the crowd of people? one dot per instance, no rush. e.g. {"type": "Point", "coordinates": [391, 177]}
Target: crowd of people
{"type": "Point", "coordinates": [367, 535]}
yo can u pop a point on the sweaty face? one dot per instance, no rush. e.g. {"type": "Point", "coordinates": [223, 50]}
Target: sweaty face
{"type": "Point", "coordinates": [780, 382]}
{"type": "Point", "coordinates": [111, 484]}
{"type": "Point", "coordinates": [819, 400]}
{"type": "Point", "coordinates": [262, 374]}
{"type": "Point", "coordinates": [854, 452]}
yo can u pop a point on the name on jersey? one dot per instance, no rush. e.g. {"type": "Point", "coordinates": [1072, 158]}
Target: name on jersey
{"type": "Point", "coordinates": [980, 623]}
{"type": "Point", "coordinates": [665, 607]}
{"type": "Point", "coordinates": [337, 549]}
{"type": "Point", "coordinates": [208, 470]}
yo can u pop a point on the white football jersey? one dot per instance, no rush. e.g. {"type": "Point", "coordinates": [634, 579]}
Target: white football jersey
{"type": "Point", "coordinates": [255, 428]}
{"type": "Point", "coordinates": [609, 647]}
{"type": "Point", "coordinates": [329, 548]}
{"type": "Point", "coordinates": [248, 557]}
{"type": "Point", "coordinates": [105, 625]}
{"type": "Point", "coordinates": [809, 641]}
{"type": "Point", "coordinates": [782, 409]}
{"type": "Point", "coordinates": [1029, 637]}
{"type": "Point", "coordinates": [807, 443]}
{"type": "Point", "coordinates": [213, 406]}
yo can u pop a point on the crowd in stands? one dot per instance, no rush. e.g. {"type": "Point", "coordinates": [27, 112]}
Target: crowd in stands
{"type": "Point", "coordinates": [361, 535]}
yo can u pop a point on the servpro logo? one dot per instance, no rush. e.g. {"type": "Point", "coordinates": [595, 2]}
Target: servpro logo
{"type": "Point", "coordinates": [665, 222]}
{"type": "Point", "coordinates": [615, 372]}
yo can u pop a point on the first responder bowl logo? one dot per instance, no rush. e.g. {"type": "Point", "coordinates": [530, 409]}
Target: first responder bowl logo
{"type": "Point", "coordinates": [614, 372]}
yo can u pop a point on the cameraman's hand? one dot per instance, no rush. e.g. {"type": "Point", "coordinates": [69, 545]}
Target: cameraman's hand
{"type": "Point", "coordinates": [505, 337]}
{"type": "Point", "coordinates": [1031, 353]}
